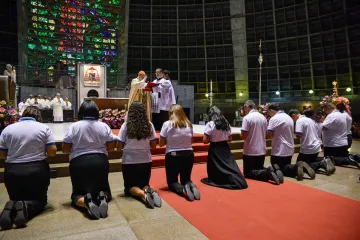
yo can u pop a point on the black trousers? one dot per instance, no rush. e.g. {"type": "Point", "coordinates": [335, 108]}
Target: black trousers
{"type": "Point", "coordinates": [182, 165]}
{"type": "Point", "coordinates": [311, 159]}
{"type": "Point", "coordinates": [28, 182]}
{"type": "Point", "coordinates": [254, 168]}
{"type": "Point", "coordinates": [349, 137]}
{"type": "Point", "coordinates": [89, 174]}
{"type": "Point", "coordinates": [136, 175]}
{"type": "Point", "coordinates": [340, 155]}
{"type": "Point", "coordinates": [158, 119]}
{"type": "Point", "coordinates": [288, 169]}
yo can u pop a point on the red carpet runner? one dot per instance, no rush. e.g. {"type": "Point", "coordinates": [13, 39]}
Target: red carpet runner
{"type": "Point", "coordinates": [264, 211]}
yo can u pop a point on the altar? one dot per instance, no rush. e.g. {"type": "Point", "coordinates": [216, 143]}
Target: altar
{"type": "Point", "coordinates": [110, 103]}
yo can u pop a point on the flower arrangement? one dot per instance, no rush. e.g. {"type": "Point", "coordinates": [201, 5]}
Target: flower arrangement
{"type": "Point", "coordinates": [8, 114]}
{"type": "Point", "coordinates": [263, 109]}
{"type": "Point", "coordinates": [335, 100]}
{"type": "Point", "coordinates": [114, 118]}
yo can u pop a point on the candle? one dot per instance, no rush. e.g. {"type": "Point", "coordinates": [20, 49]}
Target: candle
{"type": "Point", "coordinates": [211, 85]}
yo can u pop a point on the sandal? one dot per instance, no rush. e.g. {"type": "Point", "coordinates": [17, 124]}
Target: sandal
{"type": "Point", "coordinates": [149, 201]}
{"type": "Point", "coordinates": [155, 196]}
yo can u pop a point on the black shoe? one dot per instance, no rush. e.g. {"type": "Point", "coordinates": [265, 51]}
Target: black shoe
{"type": "Point", "coordinates": [103, 205]}
{"type": "Point", "coordinates": [92, 208]}
{"type": "Point", "coordinates": [353, 162]}
{"type": "Point", "coordinates": [273, 176]}
{"type": "Point", "coordinates": [6, 218]}
{"type": "Point", "coordinates": [20, 215]}
{"type": "Point", "coordinates": [309, 171]}
{"type": "Point", "coordinates": [188, 193]}
{"type": "Point", "coordinates": [155, 196]}
{"type": "Point", "coordinates": [149, 200]}
{"type": "Point", "coordinates": [328, 166]}
{"type": "Point", "coordinates": [195, 191]}
{"type": "Point", "coordinates": [279, 173]}
{"type": "Point", "coordinates": [300, 171]}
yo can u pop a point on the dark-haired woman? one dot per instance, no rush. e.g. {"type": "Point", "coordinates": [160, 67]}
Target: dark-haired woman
{"type": "Point", "coordinates": [177, 134]}
{"type": "Point", "coordinates": [88, 141]}
{"type": "Point", "coordinates": [222, 169]}
{"type": "Point", "coordinates": [24, 146]}
{"type": "Point", "coordinates": [136, 137]}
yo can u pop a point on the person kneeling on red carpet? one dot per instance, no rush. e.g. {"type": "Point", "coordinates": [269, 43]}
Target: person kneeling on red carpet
{"type": "Point", "coordinates": [253, 133]}
{"type": "Point", "coordinates": [281, 132]}
{"type": "Point", "coordinates": [24, 146]}
{"type": "Point", "coordinates": [88, 141]}
{"type": "Point", "coordinates": [136, 136]}
{"type": "Point", "coordinates": [307, 131]}
{"type": "Point", "coordinates": [177, 134]}
{"type": "Point", "coordinates": [222, 168]}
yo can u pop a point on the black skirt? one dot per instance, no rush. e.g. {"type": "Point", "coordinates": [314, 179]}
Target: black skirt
{"type": "Point", "coordinates": [89, 174]}
{"type": "Point", "coordinates": [222, 169]}
{"type": "Point", "coordinates": [136, 175]}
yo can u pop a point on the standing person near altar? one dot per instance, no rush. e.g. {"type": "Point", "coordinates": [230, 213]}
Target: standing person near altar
{"type": "Point", "coordinates": [138, 93]}
{"type": "Point", "coordinates": [37, 102]}
{"type": "Point", "coordinates": [163, 97]}
{"type": "Point", "coordinates": [136, 137]}
{"type": "Point", "coordinates": [57, 105]}
{"type": "Point", "coordinates": [177, 134]}
{"type": "Point", "coordinates": [335, 131]}
{"type": "Point", "coordinates": [46, 103]}
{"type": "Point", "coordinates": [307, 131]}
{"type": "Point", "coordinates": [222, 169]}
{"type": "Point", "coordinates": [281, 131]}
{"type": "Point", "coordinates": [253, 132]}
{"type": "Point", "coordinates": [67, 104]}
{"type": "Point", "coordinates": [342, 108]}
{"type": "Point", "coordinates": [89, 141]}
{"type": "Point", "coordinates": [21, 104]}
{"type": "Point", "coordinates": [24, 146]}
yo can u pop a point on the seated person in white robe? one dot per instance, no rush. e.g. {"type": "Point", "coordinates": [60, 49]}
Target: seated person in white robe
{"type": "Point", "coordinates": [57, 105]}
{"type": "Point", "coordinates": [67, 104]}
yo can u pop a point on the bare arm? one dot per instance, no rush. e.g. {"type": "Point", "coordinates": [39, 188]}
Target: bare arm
{"type": "Point", "coordinates": [66, 148]}
{"type": "Point", "coordinates": [206, 139]}
{"type": "Point", "coordinates": [51, 150]}
{"type": "Point", "coordinates": [110, 146]}
{"type": "Point", "coordinates": [153, 144]}
{"type": "Point", "coordinates": [162, 142]}
{"type": "Point", "coordinates": [244, 135]}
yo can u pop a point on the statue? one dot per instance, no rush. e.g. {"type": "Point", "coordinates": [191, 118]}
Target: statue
{"type": "Point", "coordinates": [11, 72]}
{"type": "Point", "coordinates": [335, 90]}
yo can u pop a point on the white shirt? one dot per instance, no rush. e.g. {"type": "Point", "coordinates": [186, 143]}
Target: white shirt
{"type": "Point", "coordinates": [26, 141]}
{"type": "Point", "coordinates": [88, 136]}
{"type": "Point", "coordinates": [135, 151]}
{"type": "Point", "coordinates": [177, 139]}
{"type": "Point", "coordinates": [310, 141]}
{"type": "Point", "coordinates": [335, 130]}
{"type": "Point", "coordinates": [282, 141]}
{"type": "Point", "coordinates": [30, 102]}
{"type": "Point", "coordinates": [20, 105]}
{"type": "Point", "coordinates": [255, 124]}
{"type": "Point", "coordinates": [214, 134]}
{"type": "Point", "coordinates": [37, 103]}
{"type": "Point", "coordinates": [46, 103]}
{"type": "Point", "coordinates": [166, 97]}
{"type": "Point", "coordinates": [349, 123]}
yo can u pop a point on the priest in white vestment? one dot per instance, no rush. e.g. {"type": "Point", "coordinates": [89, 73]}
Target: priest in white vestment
{"type": "Point", "coordinates": [138, 93]}
{"type": "Point", "coordinates": [46, 103]}
{"type": "Point", "coordinates": [57, 105]}
{"type": "Point", "coordinates": [30, 100]}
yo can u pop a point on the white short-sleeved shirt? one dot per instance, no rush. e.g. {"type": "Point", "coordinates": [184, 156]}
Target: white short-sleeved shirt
{"type": "Point", "coordinates": [310, 141]}
{"type": "Point", "coordinates": [335, 130]}
{"type": "Point", "coordinates": [177, 139]}
{"type": "Point", "coordinates": [349, 123]}
{"type": "Point", "coordinates": [282, 127]}
{"type": "Point", "coordinates": [135, 151]}
{"type": "Point", "coordinates": [214, 134]}
{"type": "Point", "coordinates": [88, 136]}
{"type": "Point", "coordinates": [255, 124]}
{"type": "Point", "coordinates": [26, 141]}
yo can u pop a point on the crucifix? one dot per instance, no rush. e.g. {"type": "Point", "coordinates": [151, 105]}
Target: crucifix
{"type": "Point", "coordinates": [335, 90]}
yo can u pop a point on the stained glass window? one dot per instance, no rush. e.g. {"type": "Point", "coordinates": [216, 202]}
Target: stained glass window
{"type": "Point", "coordinates": [73, 31]}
